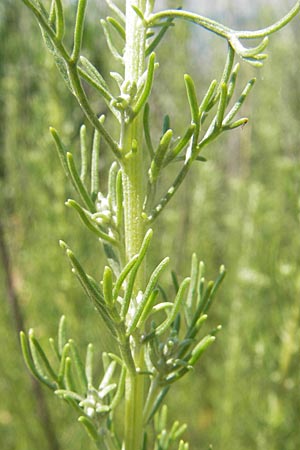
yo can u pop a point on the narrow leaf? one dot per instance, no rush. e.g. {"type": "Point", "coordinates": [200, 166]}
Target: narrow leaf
{"type": "Point", "coordinates": [61, 150]}
{"type": "Point", "coordinates": [78, 184]}
{"type": "Point", "coordinates": [147, 294]}
{"type": "Point", "coordinates": [62, 334]}
{"type": "Point", "coordinates": [147, 130]}
{"type": "Point", "coordinates": [60, 20]}
{"type": "Point", "coordinates": [126, 270]}
{"type": "Point", "coordinates": [110, 43]}
{"type": "Point", "coordinates": [239, 103]}
{"type": "Point", "coordinates": [112, 185]}
{"type": "Point", "coordinates": [86, 219]}
{"type": "Point", "coordinates": [143, 97]}
{"type": "Point", "coordinates": [182, 143]}
{"type": "Point", "coordinates": [37, 349]}
{"type": "Point", "coordinates": [30, 364]}
{"type": "Point", "coordinates": [157, 162]}
{"type": "Point", "coordinates": [82, 379]}
{"type": "Point", "coordinates": [158, 38]}
{"type": "Point", "coordinates": [89, 364]}
{"type": "Point", "coordinates": [200, 349]}
{"type": "Point", "coordinates": [68, 376]}
{"type": "Point", "coordinates": [84, 155]}
{"type": "Point", "coordinates": [108, 286]}
{"type": "Point", "coordinates": [95, 161]}
{"type": "Point", "coordinates": [133, 273]}
{"type": "Point", "coordinates": [91, 74]}
{"type": "Point", "coordinates": [221, 106]}
{"type": "Point", "coordinates": [117, 26]}
{"type": "Point", "coordinates": [192, 98]}
{"type": "Point", "coordinates": [89, 426]}
{"type": "Point", "coordinates": [177, 303]}
{"type": "Point", "coordinates": [78, 31]}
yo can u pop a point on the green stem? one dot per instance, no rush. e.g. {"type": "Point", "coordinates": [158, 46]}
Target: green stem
{"type": "Point", "coordinates": [221, 29]}
{"type": "Point", "coordinates": [134, 227]}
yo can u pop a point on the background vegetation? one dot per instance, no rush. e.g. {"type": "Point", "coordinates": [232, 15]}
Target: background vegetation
{"type": "Point", "coordinates": [241, 208]}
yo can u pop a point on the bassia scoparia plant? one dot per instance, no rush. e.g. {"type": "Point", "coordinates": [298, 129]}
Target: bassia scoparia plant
{"type": "Point", "coordinates": [160, 339]}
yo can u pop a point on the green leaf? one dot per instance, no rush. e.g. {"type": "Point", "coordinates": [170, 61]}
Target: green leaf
{"type": "Point", "coordinates": [158, 38]}
{"type": "Point", "coordinates": [109, 372]}
{"type": "Point", "coordinates": [79, 366]}
{"type": "Point", "coordinates": [117, 26]}
{"type": "Point", "coordinates": [77, 183]}
{"type": "Point", "coordinates": [144, 95]}
{"type": "Point", "coordinates": [62, 332]}
{"type": "Point", "coordinates": [91, 74]}
{"type": "Point", "coordinates": [181, 144]}
{"type": "Point", "coordinates": [200, 349]}
{"type": "Point", "coordinates": [120, 389]}
{"type": "Point", "coordinates": [60, 20]}
{"type": "Point", "coordinates": [193, 290]}
{"type": "Point", "coordinates": [108, 286]}
{"type": "Point", "coordinates": [162, 328]}
{"type": "Point", "coordinates": [61, 151]}
{"type": "Point", "coordinates": [60, 62]}
{"type": "Point", "coordinates": [38, 353]}
{"type": "Point", "coordinates": [147, 297]}
{"type": "Point", "coordinates": [147, 130]}
{"type": "Point", "coordinates": [138, 12]}
{"type": "Point", "coordinates": [66, 395]}
{"type": "Point", "coordinates": [120, 207]}
{"type": "Point", "coordinates": [68, 375]}
{"type": "Point", "coordinates": [89, 426]}
{"type": "Point", "coordinates": [116, 10]}
{"type": "Point", "coordinates": [89, 364]}
{"type": "Point", "coordinates": [215, 288]}
{"type": "Point", "coordinates": [30, 364]}
{"type": "Point", "coordinates": [78, 31]}
{"type": "Point", "coordinates": [133, 273]}
{"type": "Point", "coordinates": [86, 219]}
{"type": "Point", "coordinates": [84, 155]}
{"type": "Point", "coordinates": [232, 82]}
{"type": "Point", "coordinates": [192, 98]}
{"type": "Point", "coordinates": [158, 160]}
{"type": "Point", "coordinates": [112, 186]}
{"type": "Point", "coordinates": [95, 161]}
{"type": "Point", "coordinates": [125, 271]}
{"type": "Point", "coordinates": [110, 43]}
{"type": "Point", "coordinates": [221, 107]}
{"type": "Point", "coordinates": [234, 110]}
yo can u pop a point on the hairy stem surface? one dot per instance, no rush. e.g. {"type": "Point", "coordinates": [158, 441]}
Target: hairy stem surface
{"type": "Point", "coordinates": [133, 188]}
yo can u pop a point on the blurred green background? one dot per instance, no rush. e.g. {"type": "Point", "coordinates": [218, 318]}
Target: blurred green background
{"type": "Point", "coordinates": [241, 208]}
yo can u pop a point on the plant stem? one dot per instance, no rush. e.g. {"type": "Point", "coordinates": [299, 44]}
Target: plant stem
{"type": "Point", "coordinates": [134, 227]}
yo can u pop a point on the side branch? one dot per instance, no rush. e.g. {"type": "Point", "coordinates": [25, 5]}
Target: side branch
{"type": "Point", "coordinates": [232, 36]}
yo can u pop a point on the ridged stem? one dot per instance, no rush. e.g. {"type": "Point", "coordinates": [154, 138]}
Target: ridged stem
{"type": "Point", "coordinates": [134, 227]}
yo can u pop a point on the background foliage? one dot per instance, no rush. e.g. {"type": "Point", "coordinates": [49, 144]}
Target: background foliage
{"type": "Point", "coordinates": [241, 208]}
